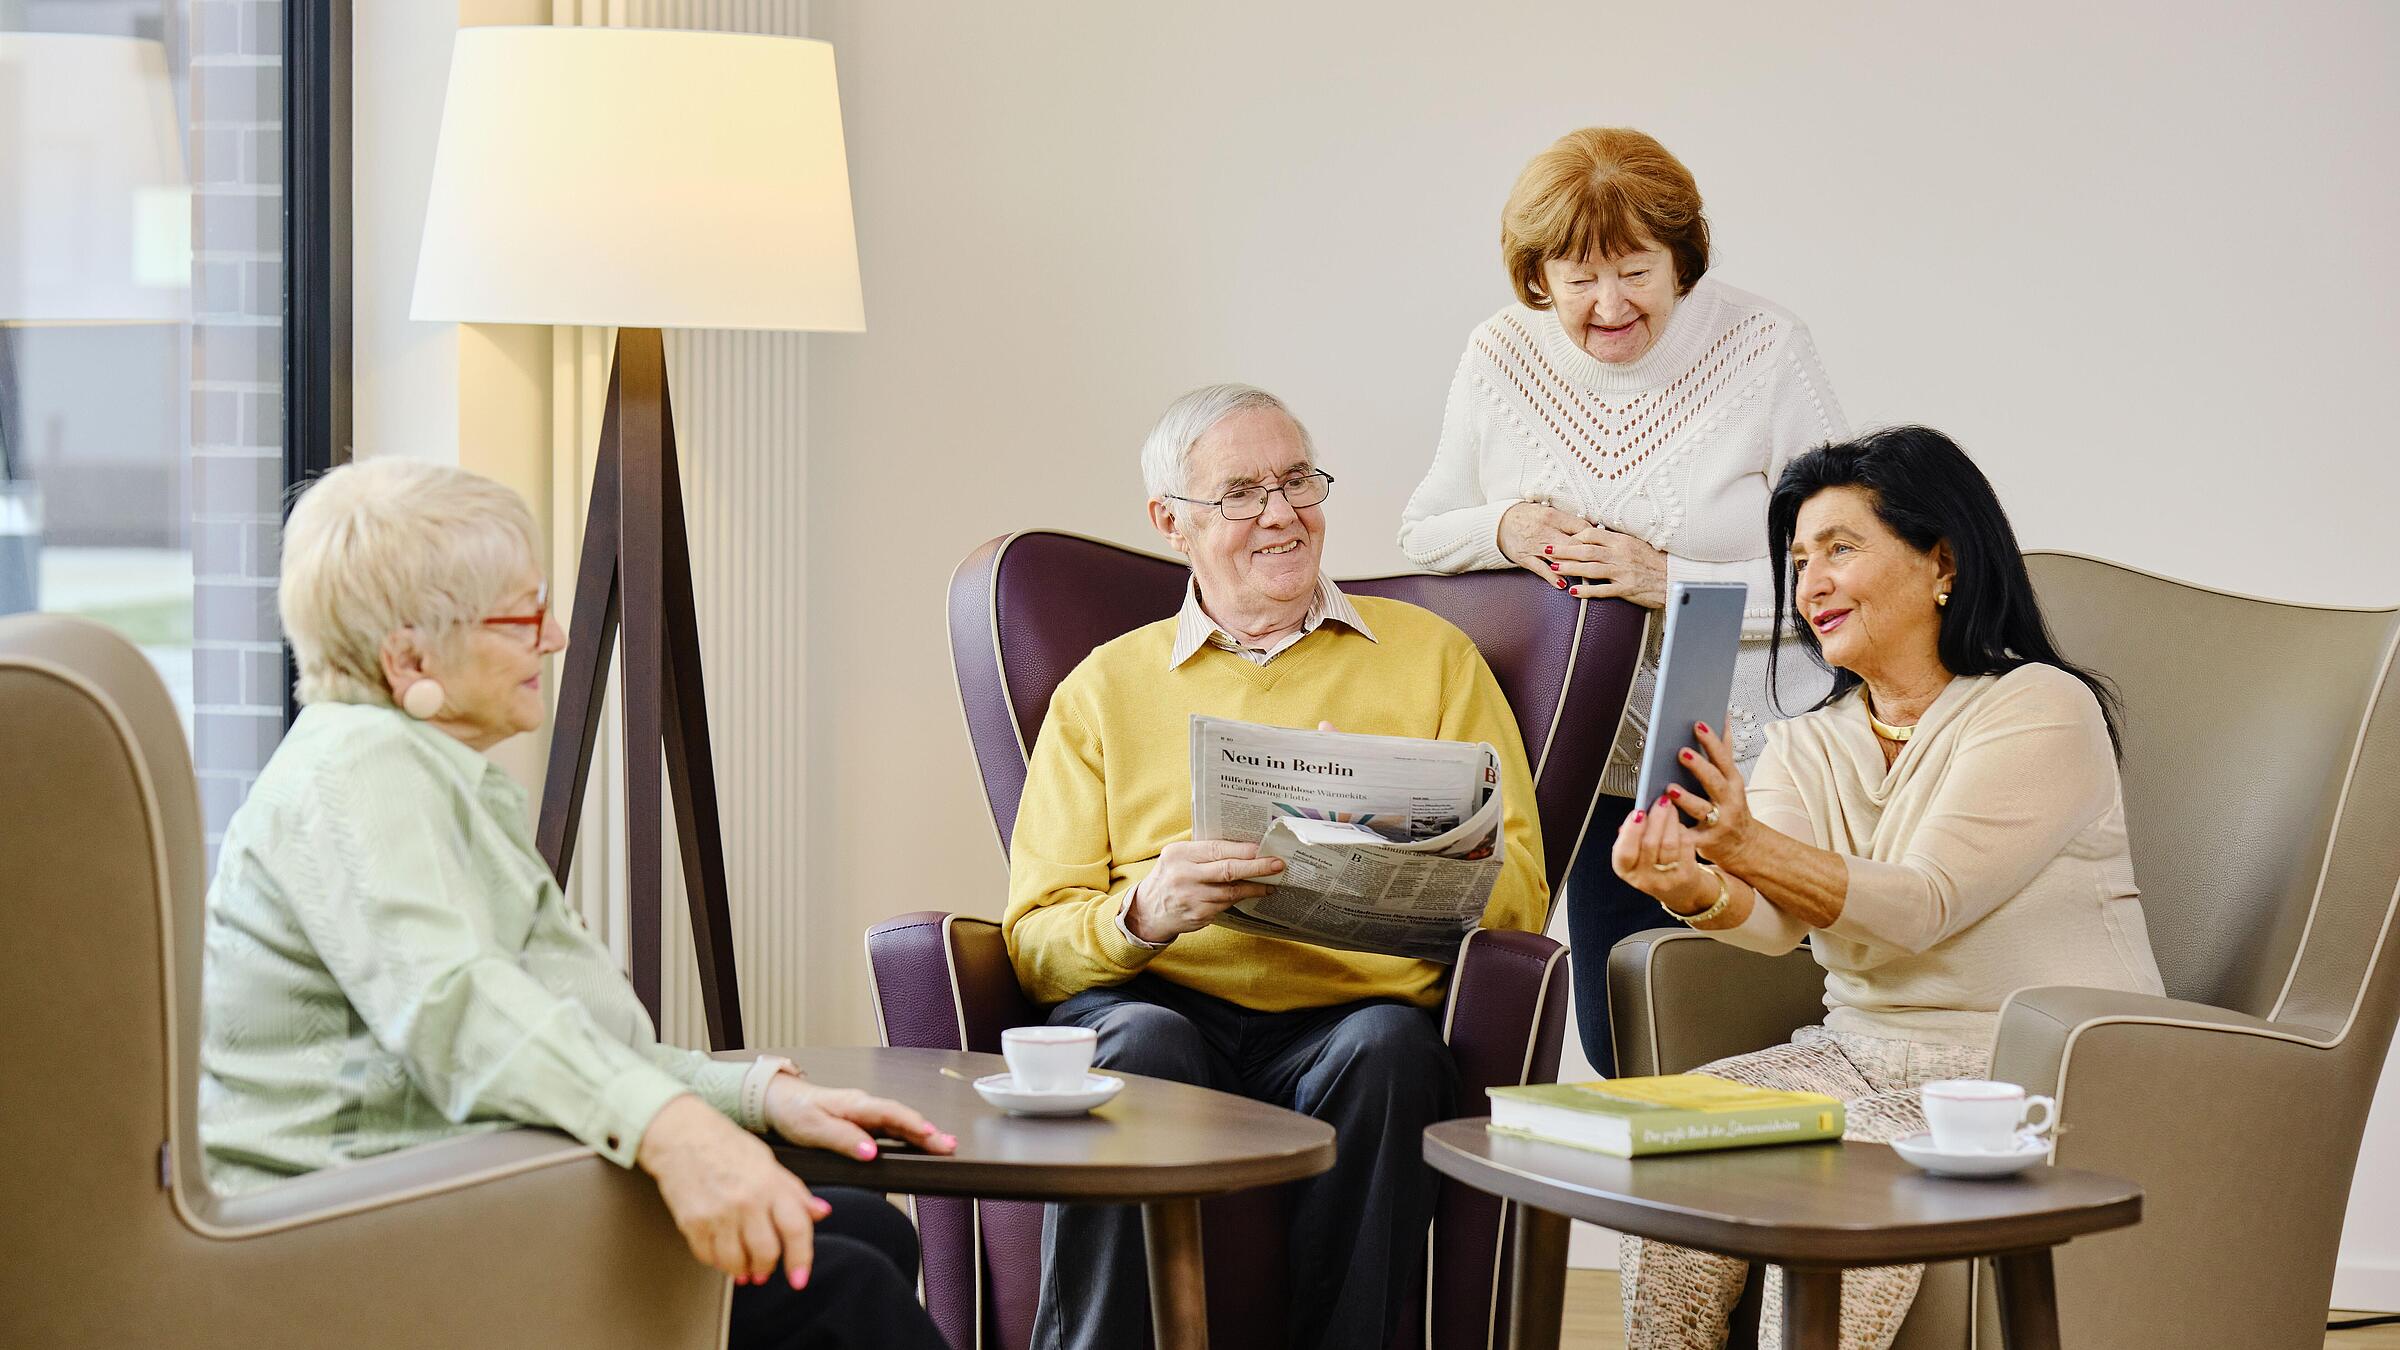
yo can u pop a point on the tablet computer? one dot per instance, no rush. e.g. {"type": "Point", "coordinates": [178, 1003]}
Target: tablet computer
{"type": "Point", "coordinates": [1695, 679]}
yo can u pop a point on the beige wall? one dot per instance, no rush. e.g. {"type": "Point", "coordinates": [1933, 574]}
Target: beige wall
{"type": "Point", "coordinates": [2131, 256]}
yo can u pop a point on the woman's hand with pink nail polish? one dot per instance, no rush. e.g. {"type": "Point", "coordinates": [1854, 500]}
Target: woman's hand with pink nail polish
{"type": "Point", "coordinates": [738, 1208]}
{"type": "Point", "coordinates": [846, 1120]}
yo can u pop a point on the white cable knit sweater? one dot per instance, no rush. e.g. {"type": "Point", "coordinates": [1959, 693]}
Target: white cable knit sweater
{"type": "Point", "coordinates": [1678, 448]}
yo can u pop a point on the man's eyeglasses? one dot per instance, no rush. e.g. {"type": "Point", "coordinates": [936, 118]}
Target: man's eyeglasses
{"type": "Point", "coordinates": [532, 623]}
{"type": "Point", "coordinates": [1300, 491]}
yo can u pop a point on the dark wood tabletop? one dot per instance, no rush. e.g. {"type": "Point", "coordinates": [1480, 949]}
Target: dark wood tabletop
{"type": "Point", "coordinates": [1154, 1140]}
{"type": "Point", "coordinates": [1834, 1204]}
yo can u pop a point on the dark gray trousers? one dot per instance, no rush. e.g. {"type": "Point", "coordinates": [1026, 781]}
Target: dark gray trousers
{"type": "Point", "coordinates": [1377, 1072]}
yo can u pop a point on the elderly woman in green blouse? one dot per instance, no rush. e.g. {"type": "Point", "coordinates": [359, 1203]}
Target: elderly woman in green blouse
{"type": "Point", "coordinates": [389, 962]}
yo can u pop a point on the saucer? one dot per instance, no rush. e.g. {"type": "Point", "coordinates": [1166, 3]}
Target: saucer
{"type": "Point", "coordinates": [1001, 1090]}
{"type": "Point", "coordinates": [1918, 1148]}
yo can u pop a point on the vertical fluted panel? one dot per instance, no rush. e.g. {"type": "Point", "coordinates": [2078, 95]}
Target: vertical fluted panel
{"type": "Point", "coordinates": [741, 428]}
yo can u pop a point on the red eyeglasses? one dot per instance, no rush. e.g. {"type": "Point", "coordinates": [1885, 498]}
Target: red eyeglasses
{"type": "Point", "coordinates": [532, 623]}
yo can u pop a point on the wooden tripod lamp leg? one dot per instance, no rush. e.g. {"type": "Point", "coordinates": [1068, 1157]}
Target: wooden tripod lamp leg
{"type": "Point", "coordinates": [634, 580]}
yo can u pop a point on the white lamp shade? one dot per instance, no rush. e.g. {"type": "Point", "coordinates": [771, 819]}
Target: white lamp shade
{"type": "Point", "coordinates": [95, 213]}
{"type": "Point", "coordinates": [640, 178]}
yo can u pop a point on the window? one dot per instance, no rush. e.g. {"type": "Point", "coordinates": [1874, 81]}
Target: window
{"type": "Point", "coordinates": [149, 384]}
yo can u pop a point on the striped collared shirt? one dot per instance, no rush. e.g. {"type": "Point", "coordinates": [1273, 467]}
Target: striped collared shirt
{"type": "Point", "coordinates": [1194, 629]}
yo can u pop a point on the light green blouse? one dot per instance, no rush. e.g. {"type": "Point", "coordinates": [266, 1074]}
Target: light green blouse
{"type": "Point", "coordinates": [389, 963]}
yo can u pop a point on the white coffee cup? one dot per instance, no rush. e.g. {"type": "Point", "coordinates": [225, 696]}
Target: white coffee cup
{"type": "Point", "coordinates": [1049, 1059]}
{"type": "Point", "coordinates": [1977, 1115]}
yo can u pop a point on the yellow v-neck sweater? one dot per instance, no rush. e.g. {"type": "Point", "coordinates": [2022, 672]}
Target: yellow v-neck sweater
{"type": "Point", "coordinates": [1109, 786]}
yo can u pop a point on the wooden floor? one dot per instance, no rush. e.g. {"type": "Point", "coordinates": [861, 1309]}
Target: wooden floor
{"type": "Point", "coordinates": [1596, 1322]}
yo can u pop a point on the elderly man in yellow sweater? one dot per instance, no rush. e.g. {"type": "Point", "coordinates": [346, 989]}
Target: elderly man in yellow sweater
{"type": "Point", "coordinates": [1111, 900]}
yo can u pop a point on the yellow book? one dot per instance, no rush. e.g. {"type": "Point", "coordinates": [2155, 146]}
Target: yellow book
{"type": "Point", "coordinates": [1676, 1113]}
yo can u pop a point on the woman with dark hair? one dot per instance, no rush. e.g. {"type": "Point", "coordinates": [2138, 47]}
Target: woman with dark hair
{"type": "Point", "coordinates": [1945, 828]}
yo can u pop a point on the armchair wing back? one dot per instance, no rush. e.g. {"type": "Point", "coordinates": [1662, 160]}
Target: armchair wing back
{"type": "Point", "coordinates": [1012, 640]}
{"type": "Point", "coordinates": [517, 1237]}
{"type": "Point", "coordinates": [2262, 798]}
{"type": "Point", "coordinates": [1024, 609]}
{"type": "Point", "coordinates": [2241, 718]}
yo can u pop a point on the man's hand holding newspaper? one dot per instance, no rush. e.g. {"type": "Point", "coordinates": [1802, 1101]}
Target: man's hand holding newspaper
{"type": "Point", "coordinates": [1388, 844]}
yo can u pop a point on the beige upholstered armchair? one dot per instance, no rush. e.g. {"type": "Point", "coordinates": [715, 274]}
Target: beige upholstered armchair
{"type": "Point", "coordinates": [521, 1237]}
{"type": "Point", "coordinates": [2262, 790]}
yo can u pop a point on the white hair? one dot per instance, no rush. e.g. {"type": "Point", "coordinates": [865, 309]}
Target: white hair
{"type": "Point", "coordinates": [386, 544]}
{"type": "Point", "coordinates": [1167, 452]}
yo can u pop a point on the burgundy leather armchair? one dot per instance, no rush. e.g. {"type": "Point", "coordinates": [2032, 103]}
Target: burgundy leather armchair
{"type": "Point", "coordinates": [1024, 609]}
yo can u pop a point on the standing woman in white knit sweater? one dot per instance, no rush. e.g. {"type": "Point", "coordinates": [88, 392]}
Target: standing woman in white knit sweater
{"type": "Point", "coordinates": [1615, 430]}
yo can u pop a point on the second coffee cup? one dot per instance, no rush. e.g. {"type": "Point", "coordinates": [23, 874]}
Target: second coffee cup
{"type": "Point", "coordinates": [1978, 1115]}
{"type": "Point", "coordinates": [1049, 1059]}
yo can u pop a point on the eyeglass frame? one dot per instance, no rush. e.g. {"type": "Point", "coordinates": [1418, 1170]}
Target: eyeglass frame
{"type": "Point", "coordinates": [535, 621]}
{"type": "Point", "coordinates": [1282, 487]}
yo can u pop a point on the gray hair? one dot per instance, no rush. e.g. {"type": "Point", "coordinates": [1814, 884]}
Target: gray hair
{"type": "Point", "coordinates": [1167, 452]}
{"type": "Point", "coordinates": [386, 544]}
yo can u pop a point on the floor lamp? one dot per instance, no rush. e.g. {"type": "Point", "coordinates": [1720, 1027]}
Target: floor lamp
{"type": "Point", "coordinates": [643, 180]}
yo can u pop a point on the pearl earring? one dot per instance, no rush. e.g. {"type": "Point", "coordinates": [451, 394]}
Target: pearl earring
{"type": "Point", "coordinates": [423, 701]}
{"type": "Point", "coordinates": [1942, 600]}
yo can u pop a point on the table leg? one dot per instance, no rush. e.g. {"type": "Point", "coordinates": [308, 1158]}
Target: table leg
{"type": "Point", "coordinates": [1812, 1309]}
{"type": "Point", "coordinates": [1178, 1289]}
{"type": "Point", "coordinates": [2028, 1301]}
{"type": "Point", "coordinates": [1537, 1290]}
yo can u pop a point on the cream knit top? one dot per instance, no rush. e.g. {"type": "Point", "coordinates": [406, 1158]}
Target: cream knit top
{"type": "Point", "coordinates": [1990, 857]}
{"type": "Point", "coordinates": [1679, 448]}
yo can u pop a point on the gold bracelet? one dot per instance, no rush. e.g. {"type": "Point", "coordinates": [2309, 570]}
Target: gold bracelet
{"type": "Point", "coordinates": [1724, 898]}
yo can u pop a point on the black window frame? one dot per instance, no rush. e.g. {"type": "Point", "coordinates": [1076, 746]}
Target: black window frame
{"type": "Point", "coordinates": [316, 251]}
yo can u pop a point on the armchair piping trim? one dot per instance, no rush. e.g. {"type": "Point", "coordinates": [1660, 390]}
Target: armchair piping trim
{"type": "Point", "coordinates": [1541, 1001]}
{"type": "Point", "coordinates": [2075, 1034]}
{"type": "Point", "coordinates": [1584, 830]}
{"type": "Point", "coordinates": [958, 684]}
{"type": "Point", "coordinates": [958, 1010]}
{"type": "Point", "coordinates": [883, 1033]}
{"type": "Point", "coordinates": [388, 1199]}
{"type": "Point", "coordinates": [159, 880]}
{"type": "Point", "coordinates": [2358, 747]}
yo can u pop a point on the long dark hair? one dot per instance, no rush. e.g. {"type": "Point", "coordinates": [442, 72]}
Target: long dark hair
{"type": "Point", "coordinates": [1928, 492]}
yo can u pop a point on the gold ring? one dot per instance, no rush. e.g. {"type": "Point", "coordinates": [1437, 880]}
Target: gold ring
{"type": "Point", "coordinates": [1710, 818]}
{"type": "Point", "coordinates": [1664, 867]}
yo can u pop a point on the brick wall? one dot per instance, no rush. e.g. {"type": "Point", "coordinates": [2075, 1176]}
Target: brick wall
{"type": "Point", "coordinates": [237, 392]}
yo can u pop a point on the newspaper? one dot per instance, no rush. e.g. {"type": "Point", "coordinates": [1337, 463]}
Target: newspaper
{"type": "Point", "coordinates": [1390, 845]}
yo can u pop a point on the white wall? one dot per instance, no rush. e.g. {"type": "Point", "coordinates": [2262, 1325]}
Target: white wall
{"type": "Point", "coordinates": [2132, 257]}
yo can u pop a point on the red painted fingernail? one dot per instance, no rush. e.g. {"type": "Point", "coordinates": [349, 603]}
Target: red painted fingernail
{"type": "Point", "coordinates": [1546, 548]}
{"type": "Point", "coordinates": [1704, 731]}
{"type": "Point", "coordinates": [1637, 817]}
{"type": "Point", "coordinates": [1550, 563]}
{"type": "Point", "coordinates": [1662, 799]}
{"type": "Point", "coordinates": [1561, 582]}
{"type": "Point", "coordinates": [1684, 755]}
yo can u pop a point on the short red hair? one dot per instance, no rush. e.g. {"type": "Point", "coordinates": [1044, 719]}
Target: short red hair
{"type": "Point", "coordinates": [1605, 191]}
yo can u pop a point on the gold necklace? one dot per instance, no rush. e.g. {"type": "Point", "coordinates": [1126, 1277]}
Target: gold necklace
{"type": "Point", "coordinates": [1885, 729]}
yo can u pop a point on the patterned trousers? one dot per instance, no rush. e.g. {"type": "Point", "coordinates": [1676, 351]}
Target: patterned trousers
{"type": "Point", "coordinates": [1679, 1299]}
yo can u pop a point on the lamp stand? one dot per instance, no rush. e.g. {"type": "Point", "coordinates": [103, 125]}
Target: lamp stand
{"type": "Point", "coordinates": [636, 577]}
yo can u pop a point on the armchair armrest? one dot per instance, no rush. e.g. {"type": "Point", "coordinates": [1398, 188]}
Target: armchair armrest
{"type": "Point", "coordinates": [1678, 999]}
{"type": "Point", "coordinates": [944, 982]}
{"type": "Point", "coordinates": [516, 1237]}
{"type": "Point", "coordinates": [1506, 1012]}
{"type": "Point", "coordinates": [2243, 1134]}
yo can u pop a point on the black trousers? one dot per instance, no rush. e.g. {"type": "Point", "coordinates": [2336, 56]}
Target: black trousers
{"type": "Point", "coordinates": [1376, 1071]}
{"type": "Point", "coordinates": [862, 1287]}
{"type": "Point", "coordinates": [1602, 910]}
